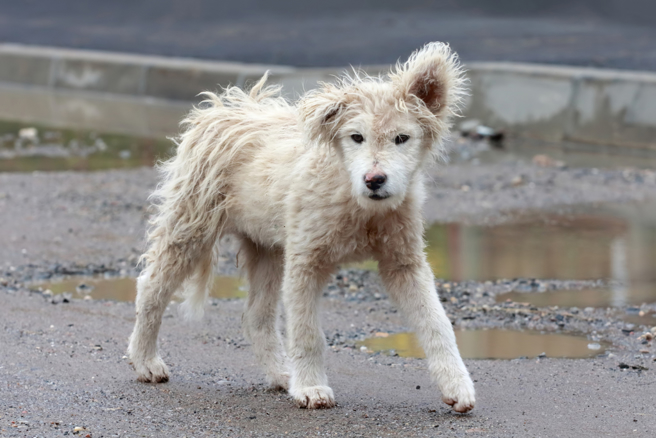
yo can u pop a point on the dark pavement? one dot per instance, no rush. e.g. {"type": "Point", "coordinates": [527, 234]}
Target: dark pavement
{"type": "Point", "coordinates": [602, 33]}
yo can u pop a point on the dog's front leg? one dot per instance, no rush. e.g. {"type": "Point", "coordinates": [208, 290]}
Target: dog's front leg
{"type": "Point", "coordinates": [409, 281]}
{"type": "Point", "coordinates": [302, 286]}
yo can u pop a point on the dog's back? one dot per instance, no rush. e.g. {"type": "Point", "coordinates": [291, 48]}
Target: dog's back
{"type": "Point", "coordinates": [225, 134]}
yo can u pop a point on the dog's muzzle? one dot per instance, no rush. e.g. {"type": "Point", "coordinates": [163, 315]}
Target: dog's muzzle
{"type": "Point", "coordinates": [374, 181]}
{"type": "Point", "coordinates": [377, 197]}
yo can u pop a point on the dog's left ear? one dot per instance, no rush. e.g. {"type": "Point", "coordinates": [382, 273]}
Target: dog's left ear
{"type": "Point", "coordinates": [433, 76]}
{"type": "Point", "coordinates": [321, 112]}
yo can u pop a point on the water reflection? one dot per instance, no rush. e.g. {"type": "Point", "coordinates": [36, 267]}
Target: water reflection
{"type": "Point", "coordinates": [494, 344]}
{"type": "Point", "coordinates": [572, 154]}
{"type": "Point", "coordinates": [622, 296]}
{"type": "Point", "coordinates": [640, 318]}
{"type": "Point", "coordinates": [27, 148]}
{"type": "Point", "coordinates": [124, 289]}
{"type": "Point", "coordinates": [609, 242]}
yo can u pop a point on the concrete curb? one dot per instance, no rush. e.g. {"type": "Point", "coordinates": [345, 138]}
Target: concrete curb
{"type": "Point", "coordinates": [555, 103]}
{"type": "Point", "coordinates": [118, 73]}
{"type": "Point", "coordinates": [546, 102]}
{"type": "Point", "coordinates": [101, 112]}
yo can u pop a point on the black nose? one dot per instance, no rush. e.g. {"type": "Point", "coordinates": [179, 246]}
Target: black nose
{"type": "Point", "coordinates": [374, 181]}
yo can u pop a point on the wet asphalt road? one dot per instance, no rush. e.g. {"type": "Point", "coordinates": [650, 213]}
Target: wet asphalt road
{"type": "Point", "coordinates": [601, 33]}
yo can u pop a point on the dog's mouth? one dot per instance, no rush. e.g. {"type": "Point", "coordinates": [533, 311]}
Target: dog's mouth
{"type": "Point", "coordinates": [377, 197]}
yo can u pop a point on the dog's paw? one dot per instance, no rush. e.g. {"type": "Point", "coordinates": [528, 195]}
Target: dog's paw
{"type": "Point", "coordinates": [279, 381]}
{"type": "Point", "coordinates": [314, 397]}
{"type": "Point", "coordinates": [151, 370]}
{"type": "Point", "coordinates": [460, 395]}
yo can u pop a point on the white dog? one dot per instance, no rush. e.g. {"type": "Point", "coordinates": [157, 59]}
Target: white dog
{"type": "Point", "coordinates": [336, 178]}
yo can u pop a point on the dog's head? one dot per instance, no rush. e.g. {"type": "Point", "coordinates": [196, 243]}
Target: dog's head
{"type": "Point", "coordinates": [385, 129]}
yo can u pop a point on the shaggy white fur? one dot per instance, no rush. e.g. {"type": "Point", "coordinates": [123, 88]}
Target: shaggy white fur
{"type": "Point", "coordinates": [337, 177]}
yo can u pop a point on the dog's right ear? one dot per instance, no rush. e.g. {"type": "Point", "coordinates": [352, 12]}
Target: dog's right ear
{"type": "Point", "coordinates": [321, 112]}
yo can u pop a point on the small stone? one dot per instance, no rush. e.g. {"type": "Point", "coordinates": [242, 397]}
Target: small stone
{"type": "Point", "coordinates": [517, 181]}
{"type": "Point", "coordinates": [543, 160]}
{"type": "Point", "coordinates": [31, 134]}
{"type": "Point", "coordinates": [467, 127]}
{"type": "Point", "coordinates": [484, 131]}
{"type": "Point", "coordinates": [381, 334]}
{"type": "Point", "coordinates": [418, 387]}
{"type": "Point", "coordinates": [594, 346]}
{"type": "Point", "coordinates": [623, 366]}
{"type": "Point", "coordinates": [363, 348]}
{"type": "Point", "coordinates": [83, 288]}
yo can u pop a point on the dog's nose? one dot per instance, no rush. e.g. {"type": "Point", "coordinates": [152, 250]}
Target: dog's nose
{"type": "Point", "coordinates": [374, 181]}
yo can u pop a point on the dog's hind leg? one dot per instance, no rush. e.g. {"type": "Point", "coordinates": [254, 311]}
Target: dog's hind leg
{"type": "Point", "coordinates": [260, 321]}
{"type": "Point", "coordinates": [170, 266]}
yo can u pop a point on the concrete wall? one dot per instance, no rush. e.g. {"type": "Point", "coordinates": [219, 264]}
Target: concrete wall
{"type": "Point", "coordinates": [106, 113]}
{"type": "Point", "coordinates": [116, 73]}
{"type": "Point", "coordinates": [546, 102]}
{"type": "Point", "coordinates": [565, 103]}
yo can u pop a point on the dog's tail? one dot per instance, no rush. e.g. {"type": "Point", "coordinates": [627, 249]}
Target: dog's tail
{"type": "Point", "coordinates": [193, 201]}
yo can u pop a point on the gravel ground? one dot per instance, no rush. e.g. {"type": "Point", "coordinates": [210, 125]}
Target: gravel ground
{"type": "Point", "coordinates": [63, 367]}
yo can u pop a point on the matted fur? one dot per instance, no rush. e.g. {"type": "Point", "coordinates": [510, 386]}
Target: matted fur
{"type": "Point", "coordinates": [337, 177]}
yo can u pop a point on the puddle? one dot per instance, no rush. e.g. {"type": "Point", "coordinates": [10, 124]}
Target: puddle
{"type": "Point", "coordinates": [124, 289]}
{"type": "Point", "coordinates": [28, 148]}
{"type": "Point", "coordinates": [494, 344]}
{"type": "Point", "coordinates": [639, 317]}
{"type": "Point", "coordinates": [615, 242]}
{"type": "Point", "coordinates": [617, 296]}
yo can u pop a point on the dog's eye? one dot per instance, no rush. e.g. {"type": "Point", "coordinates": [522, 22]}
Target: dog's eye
{"type": "Point", "coordinates": [402, 138]}
{"type": "Point", "coordinates": [357, 138]}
